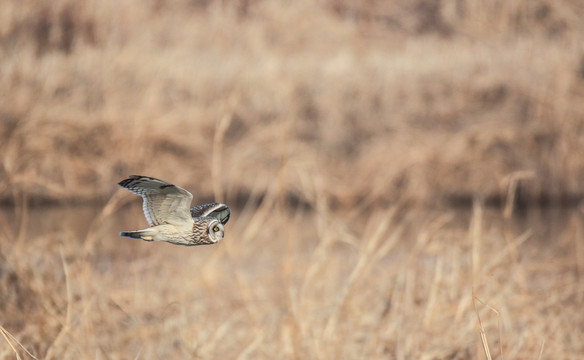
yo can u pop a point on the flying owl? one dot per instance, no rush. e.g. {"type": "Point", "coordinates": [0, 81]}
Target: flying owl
{"type": "Point", "coordinates": [166, 208]}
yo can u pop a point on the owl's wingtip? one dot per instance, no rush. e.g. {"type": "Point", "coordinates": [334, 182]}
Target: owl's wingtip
{"type": "Point", "coordinates": [127, 180]}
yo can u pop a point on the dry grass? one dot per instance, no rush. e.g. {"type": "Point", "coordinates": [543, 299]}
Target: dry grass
{"type": "Point", "coordinates": [334, 129]}
{"type": "Point", "coordinates": [303, 85]}
{"type": "Point", "coordinates": [400, 284]}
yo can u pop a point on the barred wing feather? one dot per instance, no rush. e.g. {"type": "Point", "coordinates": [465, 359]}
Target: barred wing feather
{"type": "Point", "coordinates": [217, 210]}
{"type": "Point", "coordinates": [163, 203]}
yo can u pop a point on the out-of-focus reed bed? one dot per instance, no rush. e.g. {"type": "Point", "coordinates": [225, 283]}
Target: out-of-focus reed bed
{"type": "Point", "coordinates": [409, 101]}
{"type": "Point", "coordinates": [326, 126]}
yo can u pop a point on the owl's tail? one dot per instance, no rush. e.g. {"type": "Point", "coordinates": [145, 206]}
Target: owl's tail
{"type": "Point", "coordinates": [146, 234]}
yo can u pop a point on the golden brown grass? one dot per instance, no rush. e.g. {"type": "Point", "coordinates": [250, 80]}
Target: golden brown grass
{"type": "Point", "coordinates": [423, 115]}
{"type": "Point", "coordinates": [337, 131]}
{"type": "Point", "coordinates": [399, 284]}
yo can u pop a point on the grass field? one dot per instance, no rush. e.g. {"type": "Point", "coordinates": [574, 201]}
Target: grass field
{"type": "Point", "coordinates": [406, 178]}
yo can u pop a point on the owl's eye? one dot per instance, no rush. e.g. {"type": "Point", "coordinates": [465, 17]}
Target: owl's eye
{"type": "Point", "coordinates": [216, 228]}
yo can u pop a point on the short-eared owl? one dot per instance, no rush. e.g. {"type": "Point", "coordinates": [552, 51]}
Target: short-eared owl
{"type": "Point", "coordinates": [166, 207]}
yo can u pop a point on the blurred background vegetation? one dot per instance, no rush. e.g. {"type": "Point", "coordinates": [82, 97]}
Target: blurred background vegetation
{"type": "Point", "coordinates": [334, 129]}
{"type": "Point", "coordinates": [380, 101]}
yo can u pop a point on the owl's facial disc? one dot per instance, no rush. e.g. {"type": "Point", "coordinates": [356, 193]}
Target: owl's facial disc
{"type": "Point", "coordinates": [216, 231]}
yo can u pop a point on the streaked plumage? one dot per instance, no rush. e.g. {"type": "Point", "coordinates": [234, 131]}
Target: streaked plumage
{"type": "Point", "coordinates": [166, 208]}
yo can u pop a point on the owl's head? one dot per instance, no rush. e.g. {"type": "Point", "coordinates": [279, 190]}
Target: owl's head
{"type": "Point", "coordinates": [215, 230]}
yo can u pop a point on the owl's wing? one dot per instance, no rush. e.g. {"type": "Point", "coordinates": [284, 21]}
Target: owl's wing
{"type": "Point", "coordinates": [219, 211]}
{"type": "Point", "coordinates": [164, 203]}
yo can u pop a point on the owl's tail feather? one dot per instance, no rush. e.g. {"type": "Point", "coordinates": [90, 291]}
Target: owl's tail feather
{"type": "Point", "coordinates": [146, 235]}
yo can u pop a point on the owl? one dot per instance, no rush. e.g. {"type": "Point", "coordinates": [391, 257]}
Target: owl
{"type": "Point", "coordinates": [166, 208]}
